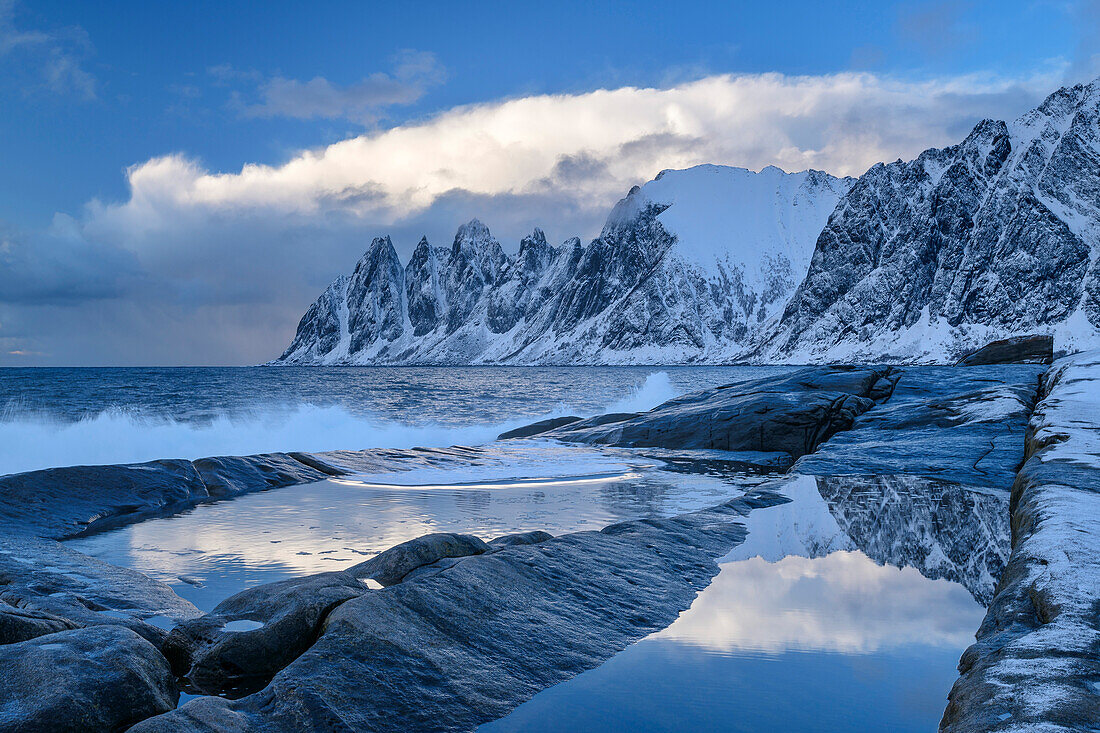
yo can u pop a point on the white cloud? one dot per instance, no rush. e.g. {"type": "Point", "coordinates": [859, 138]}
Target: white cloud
{"type": "Point", "coordinates": [586, 149]}
{"type": "Point", "coordinates": [842, 602]}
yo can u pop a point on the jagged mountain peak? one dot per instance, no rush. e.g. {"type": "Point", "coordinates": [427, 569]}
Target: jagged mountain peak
{"type": "Point", "coordinates": [998, 235]}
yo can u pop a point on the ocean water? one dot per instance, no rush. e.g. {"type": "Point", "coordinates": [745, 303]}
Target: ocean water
{"type": "Point", "coordinates": [64, 417]}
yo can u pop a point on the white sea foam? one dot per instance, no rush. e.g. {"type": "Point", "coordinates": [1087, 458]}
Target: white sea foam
{"type": "Point", "coordinates": [656, 389]}
{"type": "Point", "coordinates": [30, 441]}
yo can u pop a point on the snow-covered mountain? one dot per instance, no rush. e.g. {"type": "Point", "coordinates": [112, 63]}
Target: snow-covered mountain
{"type": "Point", "coordinates": [996, 236]}
{"type": "Point", "coordinates": [913, 262]}
{"type": "Point", "coordinates": [689, 267]}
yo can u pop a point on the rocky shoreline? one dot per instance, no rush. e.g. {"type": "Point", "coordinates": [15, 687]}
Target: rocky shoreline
{"type": "Point", "coordinates": [452, 628]}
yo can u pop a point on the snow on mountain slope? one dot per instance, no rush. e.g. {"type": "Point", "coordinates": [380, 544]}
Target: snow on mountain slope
{"type": "Point", "coordinates": [994, 237]}
{"type": "Point", "coordinates": [689, 267]}
{"type": "Point", "coordinates": [915, 261]}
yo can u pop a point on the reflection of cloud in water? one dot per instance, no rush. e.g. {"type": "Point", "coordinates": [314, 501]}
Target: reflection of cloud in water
{"type": "Point", "coordinates": [842, 602]}
{"type": "Point", "coordinates": [330, 525]}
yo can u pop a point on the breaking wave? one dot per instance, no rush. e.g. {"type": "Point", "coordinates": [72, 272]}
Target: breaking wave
{"type": "Point", "coordinates": [30, 441]}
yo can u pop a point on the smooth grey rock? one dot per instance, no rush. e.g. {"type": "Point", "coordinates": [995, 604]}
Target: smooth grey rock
{"type": "Point", "coordinates": [1018, 350]}
{"type": "Point", "coordinates": [62, 502]}
{"type": "Point", "coordinates": [42, 576]}
{"type": "Point", "coordinates": [101, 679]}
{"type": "Point", "coordinates": [468, 644]}
{"type": "Point", "coordinates": [216, 660]}
{"type": "Point", "coordinates": [21, 624]}
{"type": "Point", "coordinates": [961, 425]}
{"type": "Point", "coordinates": [230, 475]}
{"type": "Point", "coordinates": [791, 413]}
{"type": "Point", "coordinates": [391, 566]}
{"type": "Point", "coordinates": [520, 538]}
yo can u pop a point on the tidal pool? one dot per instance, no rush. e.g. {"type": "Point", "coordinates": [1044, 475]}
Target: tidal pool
{"type": "Point", "coordinates": [214, 550]}
{"type": "Point", "coordinates": [800, 630]}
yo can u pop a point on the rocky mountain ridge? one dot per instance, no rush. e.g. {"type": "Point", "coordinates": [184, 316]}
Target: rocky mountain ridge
{"type": "Point", "coordinates": [913, 262]}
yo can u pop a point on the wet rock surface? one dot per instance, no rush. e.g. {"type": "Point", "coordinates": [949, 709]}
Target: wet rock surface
{"type": "Point", "coordinates": [1036, 662]}
{"type": "Point", "coordinates": [961, 425]}
{"type": "Point", "coordinates": [217, 658]}
{"type": "Point", "coordinates": [44, 579]}
{"type": "Point", "coordinates": [391, 567]}
{"type": "Point", "coordinates": [99, 679]}
{"type": "Point", "coordinates": [792, 414]}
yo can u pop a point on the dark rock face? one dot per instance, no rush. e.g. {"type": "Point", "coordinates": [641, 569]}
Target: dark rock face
{"type": "Point", "coordinates": [287, 616]}
{"type": "Point", "coordinates": [792, 414]}
{"type": "Point", "coordinates": [390, 567]}
{"type": "Point", "coordinates": [426, 298]}
{"type": "Point", "coordinates": [994, 231]}
{"type": "Point", "coordinates": [101, 679]}
{"type": "Point", "coordinates": [467, 644]}
{"type": "Point", "coordinates": [1018, 350]}
{"type": "Point", "coordinates": [320, 330]}
{"type": "Point", "coordinates": [376, 296]}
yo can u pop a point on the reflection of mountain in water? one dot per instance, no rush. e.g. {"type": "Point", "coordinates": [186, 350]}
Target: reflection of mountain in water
{"type": "Point", "coordinates": [942, 529]}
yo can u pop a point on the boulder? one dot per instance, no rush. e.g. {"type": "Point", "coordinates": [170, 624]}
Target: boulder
{"type": "Point", "coordinates": [99, 679]}
{"type": "Point", "coordinates": [391, 566]}
{"type": "Point", "coordinates": [45, 580]}
{"type": "Point", "coordinates": [520, 538]}
{"type": "Point", "coordinates": [792, 413]}
{"type": "Point", "coordinates": [250, 636]}
{"type": "Point", "coordinates": [1038, 349]}
{"type": "Point", "coordinates": [21, 624]}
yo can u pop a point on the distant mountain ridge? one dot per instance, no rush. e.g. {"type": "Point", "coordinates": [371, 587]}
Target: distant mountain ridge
{"type": "Point", "coordinates": [687, 268]}
{"type": "Point", "coordinates": [912, 262]}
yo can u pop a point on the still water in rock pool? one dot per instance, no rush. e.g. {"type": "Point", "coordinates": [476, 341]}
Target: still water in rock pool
{"type": "Point", "coordinates": [215, 550]}
{"type": "Point", "coordinates": [799, 631]}
{"type": "Point", "coordinates": [829, 617]}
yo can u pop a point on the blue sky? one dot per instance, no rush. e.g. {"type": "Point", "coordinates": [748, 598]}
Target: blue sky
{"type": "Point", "coordinates": [110, 266]}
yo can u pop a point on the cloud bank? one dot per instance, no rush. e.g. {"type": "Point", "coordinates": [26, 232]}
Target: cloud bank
{"type": "Point", "coordinates": [251, 248]}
